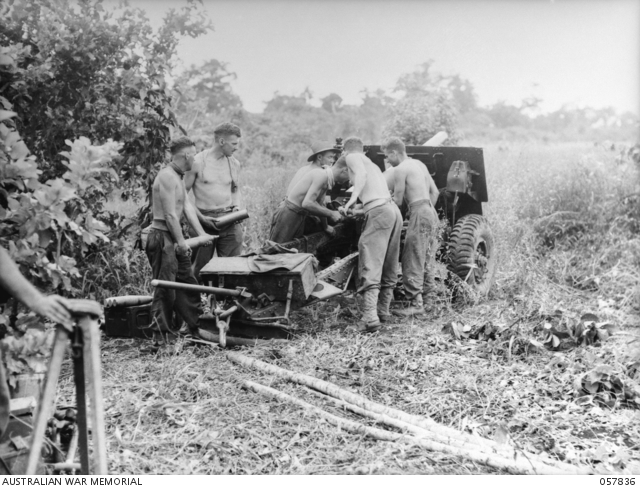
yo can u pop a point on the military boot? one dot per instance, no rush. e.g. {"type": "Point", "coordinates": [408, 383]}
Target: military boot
{"type": "Point", "coordinates": [429, 300]}
{"type": "Point", "coordinates": [384, 301]}
{"type": "Point", "coordinates": [415, 308]}
{"type": "Point", "coordinates": [369, 315]}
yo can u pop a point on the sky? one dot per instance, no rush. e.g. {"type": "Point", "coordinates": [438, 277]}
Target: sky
{"type": "Point", "coordinates": [582, 52]}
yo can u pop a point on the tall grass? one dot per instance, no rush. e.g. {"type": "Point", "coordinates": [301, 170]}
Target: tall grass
{"type": "Point", "coordinates": [565, 213]}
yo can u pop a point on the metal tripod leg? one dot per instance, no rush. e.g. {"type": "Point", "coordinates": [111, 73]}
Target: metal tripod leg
{"type": "Point", "coordinates": [88, 380]}
{"type": "Point", "coordinates": [47, 398]}
{"type": "Point", "coordinates": [81, 399]}
{"type": "Point", "coordinates": [92, 372]}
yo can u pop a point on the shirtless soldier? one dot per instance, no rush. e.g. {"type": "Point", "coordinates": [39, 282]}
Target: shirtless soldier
{"type": "Point", "coordinates": [214, 182]}
{"type": "Point", "coordinates": [166, 248]}
{"type": "Point", "coordinates": [413, 184]}
{"type": "Point", "coordinates": [379, 244]}
{"type": "Point", "coordinates": [305, 199]}
{"type": "Point", "coordinates": [310, 182]}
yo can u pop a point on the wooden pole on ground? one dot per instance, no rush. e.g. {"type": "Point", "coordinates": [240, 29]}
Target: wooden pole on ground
{"type": "Point", "coordinates": [379, 434]}
{"type": "Point", "coordinates": [443, 434]}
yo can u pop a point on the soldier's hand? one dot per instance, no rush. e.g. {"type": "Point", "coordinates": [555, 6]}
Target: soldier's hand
{"type": "Point", "coordinates": [211, 221]}
{"type": "Point", "coordinates": [54, 308]}
{"type": "Point", "coordinates": [336, 217]}
{"type": "Point", "coordinates": [182, 248]}
{"type": "Point", "coordinates": [209, 242]}
{"type": "Point", "coordinates": [330, 231]}
{"type": "Point", "coordinates": [342, 210]}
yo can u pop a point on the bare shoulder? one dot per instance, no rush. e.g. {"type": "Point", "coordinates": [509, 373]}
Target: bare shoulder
{"type": "Point", "coordinates": [403, 168]}
{"type": "Point", "coordinates": [234, 161]}
{"type": "Point", "coordinates": [198, 162]}
{"type": "Point", "coordinates": [167, 177]}
{"type": "Point", "coordinates": [353, 159]}
{"type": "Point", "coordinates": [319, 175]}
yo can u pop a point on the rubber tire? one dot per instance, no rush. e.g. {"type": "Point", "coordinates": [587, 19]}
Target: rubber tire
{"type": "Point", "coordinates": [471, 232]}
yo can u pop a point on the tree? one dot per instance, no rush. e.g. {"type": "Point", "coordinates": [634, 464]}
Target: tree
{"type": "Point", "coordinates": [331, 103]}
{"type": "Point", "coordinates": [209, 86]}
{"type": "Point", "coordinates": [84, 106]}
{"type": "Point", "coordinates": [83, 71]}
{"type": "Point", "coordinates": [427, 107]}
{"type": "Point", "coordinates": [417, 119]}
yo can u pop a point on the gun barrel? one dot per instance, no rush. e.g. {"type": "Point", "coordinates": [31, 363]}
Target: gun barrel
{"type": "Point", "coordinates": [195, 288]}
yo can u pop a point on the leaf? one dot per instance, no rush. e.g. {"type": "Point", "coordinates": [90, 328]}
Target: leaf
{"type": "Point", "coordinates": [602, 334]}
{"type": "Point", "coordinates": [555, 341]}
{"type": "Point", "coordinates": [7, 114]}
{"type": "Point", "coordinates": [588, 317]}
{"type": "Point", "coordinates": [501, 435]}
{"type": "Point", "coordinates": [610, 328]}
{"type": "Point", "coordinates": [536, 344]}
{"type": "Point", "coordinates": [5, 60]}
{"type": "Point", "coordinates": [591, 387]}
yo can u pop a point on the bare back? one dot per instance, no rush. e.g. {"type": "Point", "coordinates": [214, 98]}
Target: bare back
{"type": "Point", "coordinates": [211, 181]}
{"type": "Point", "coordinates": [168, 194]}
{"type": "Point", "coordinates": [299, 174]}
{"type": "Point", "coordinates": [390, 178]}
{"type": "Point", "coordinates": [375, 186]}
{"type": "Point", "coordinates": [416, 178]}
{"type": "Point", "coordinates": [300, 188]}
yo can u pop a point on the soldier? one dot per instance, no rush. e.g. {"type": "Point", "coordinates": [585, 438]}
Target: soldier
{"type": "Point", "coordinates": [379, 244]}
{"type": "Point", "coordinates": [166, 248]}
{"type": "Point", "coordinates": [413, 184]}
{"type": "Point", "coordinates": [305, 197]}
{"type": "Point", "coordinates": [52, 307]}
{"type": "Point", "coordinates": [214, 182]}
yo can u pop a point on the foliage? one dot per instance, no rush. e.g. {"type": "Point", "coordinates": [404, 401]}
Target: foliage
{"type": "Point", "coordinates": [80, 71]}
{"type": "Point", "coordinates": [418, 118]}
{"type": "Point", "coordinates": [202, 92]}
{"type": "Point", "coordinates": [428, 105]}
{"type": "Point", "coordinates": [47, 227]}
{"type": "Point", "coordinates": [28, 353]}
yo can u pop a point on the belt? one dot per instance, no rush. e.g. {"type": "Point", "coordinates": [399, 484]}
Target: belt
{"type": "Point", "coordinates": [159, 225]}
{"type": "Point", "coordinates": [372, 204]}
{"type": "Point", "coordinates": [419, 202]}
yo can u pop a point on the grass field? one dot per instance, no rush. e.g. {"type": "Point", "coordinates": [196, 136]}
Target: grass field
{"type": "Point", "coordinates": [566, 220]}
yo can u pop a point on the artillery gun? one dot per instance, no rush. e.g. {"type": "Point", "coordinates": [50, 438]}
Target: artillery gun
{"type": "Point", "coordinates": [247, 300]}
{"type": "Point", "coordinates": [467, 247]}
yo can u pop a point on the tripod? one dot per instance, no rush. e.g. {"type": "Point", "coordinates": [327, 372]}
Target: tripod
{"type": "Point", "coordinates": [85, 352]}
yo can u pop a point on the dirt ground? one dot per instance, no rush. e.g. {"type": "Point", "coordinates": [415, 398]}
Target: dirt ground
{"type": "Point", "coordinates": [184, 410]}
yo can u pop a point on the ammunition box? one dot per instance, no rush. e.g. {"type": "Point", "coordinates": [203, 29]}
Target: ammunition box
{"type": "Point", "coordinates": [128, 322]}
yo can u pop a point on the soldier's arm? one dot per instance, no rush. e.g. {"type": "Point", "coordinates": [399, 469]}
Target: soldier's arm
{"type": "Point", "coordinates": [190, 178]}
{"type": "Point", "coordinates": [433, 191]}
{"type": "Point", "coordinates": [399, 185]}
{"type": "Point", "coordinates": [192, 217]}
{"type": "Point", "coordinates": [388, 176]}
{"type": "Point", "coordinates": [52, 307]}
{"type": "Point", "coordinates": [356, 167]}
{"type": "Point", "coordinates": [167, 190]}
{"type": "Point", "coordinates": [310, 202]}
{"type": "Point", "coordinates": [323, 220]}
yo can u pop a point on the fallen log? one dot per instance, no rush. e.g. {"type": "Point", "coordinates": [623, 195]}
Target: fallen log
{"type": "Point", "coordinates": [519, 463]}
{"type": "Point", "coordinates": [214, 340]}
{"type": "Point", "coordinates": [446, 434]}
{"type": "Point", "coordinates": [492, 460]}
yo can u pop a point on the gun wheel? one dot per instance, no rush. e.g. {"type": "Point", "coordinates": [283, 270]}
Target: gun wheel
{"type": "Point", "coordinates": [472, 255]}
